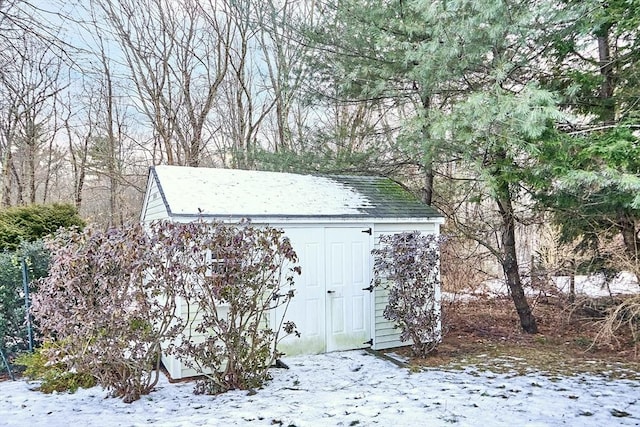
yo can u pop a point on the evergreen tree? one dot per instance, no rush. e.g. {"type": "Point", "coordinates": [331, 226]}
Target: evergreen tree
{"type": "Point", "coordinates": [33, 222]}
{"type": "Point", "coordinates": [591, 179]}
{"type": "Point", "coordinates": [466, 76]}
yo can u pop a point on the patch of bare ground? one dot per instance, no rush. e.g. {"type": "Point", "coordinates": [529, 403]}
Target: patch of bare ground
{"type": "Point", "coordinates": [485, 334]}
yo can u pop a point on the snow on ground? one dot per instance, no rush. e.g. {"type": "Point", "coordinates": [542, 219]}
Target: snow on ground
{"type": "Point", "coordinates": [351, 388]}
{"type": "Point", "coordinates": [592, 286]}
{"type": "Point", "coordinates": [595, 285]}
{"type": "Point", "coordinates": [355, 388]}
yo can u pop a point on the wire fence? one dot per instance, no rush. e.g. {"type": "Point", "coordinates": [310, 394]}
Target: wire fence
{"type": "Point", "coordinates": [19, 271]}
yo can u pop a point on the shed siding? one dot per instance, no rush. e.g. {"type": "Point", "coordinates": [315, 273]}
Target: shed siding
{"type": "Point", "coordinates": [171, 364]}
{"type": "Point", "coordinates": [154, 208]}
{"type": "Point", "coordinates": [190, 314]}
{"type": "Point", "coordinates": [386, 334]}
{"type": "Point", "coordinates": [199, 337]}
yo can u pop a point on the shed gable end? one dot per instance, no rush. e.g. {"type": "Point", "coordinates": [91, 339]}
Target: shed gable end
{"type": "Point", "coordinates": [155, 206]}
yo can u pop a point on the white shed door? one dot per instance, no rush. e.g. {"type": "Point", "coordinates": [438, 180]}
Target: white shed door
{"type": "Point", "coordinates": [331, 309]}
{"type": "Point", "coordinates": [348, 304]}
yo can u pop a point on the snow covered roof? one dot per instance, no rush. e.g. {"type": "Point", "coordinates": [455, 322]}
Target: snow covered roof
{"type": "Point", "coordinates": [188, 191]}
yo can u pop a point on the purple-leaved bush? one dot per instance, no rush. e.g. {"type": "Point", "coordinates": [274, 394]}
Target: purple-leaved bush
{"type": "Point", "coordinates": [239, 274]}
{"type": "Point", "coordinates": [103, 310]}
{"type": "Point", "coordinates": [110, 298]}
{"type": "Point", "coordinates": [407, 265]}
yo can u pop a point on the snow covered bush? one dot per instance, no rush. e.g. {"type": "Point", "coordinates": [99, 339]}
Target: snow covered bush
{"type": "Point", "coordinates": [107, 316]}
{"type": "Point", "coordinates": [109, 302]}
{"type": "Point", "coordinates": [234, 276]}
{"type": "Point", "coordinates": [407, 265]}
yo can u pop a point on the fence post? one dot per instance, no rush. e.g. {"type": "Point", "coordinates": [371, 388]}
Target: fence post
{"type": "Point", "coordinates": [6, 363]}
{"type": "Point", "coordinates": [25, 284]}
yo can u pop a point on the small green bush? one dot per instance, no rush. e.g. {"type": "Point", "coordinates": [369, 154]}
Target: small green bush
{"type": "Point", "coordinates": [53, 376]}
{"type": "Point", "coordinates": [29, 223]}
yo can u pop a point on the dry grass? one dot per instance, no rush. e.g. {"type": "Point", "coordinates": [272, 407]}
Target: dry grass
{"type": "Point", "coordinates": [485, 333]}
{"type": "Point", "coordinates": [623, 319]}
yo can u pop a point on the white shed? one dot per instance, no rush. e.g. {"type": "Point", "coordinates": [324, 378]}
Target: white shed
{"type": "Point", "coordinates": [333, 223]}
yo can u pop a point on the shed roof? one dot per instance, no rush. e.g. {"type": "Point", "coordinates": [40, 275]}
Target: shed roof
{"type": "Point", "coordinates": [188, 191]}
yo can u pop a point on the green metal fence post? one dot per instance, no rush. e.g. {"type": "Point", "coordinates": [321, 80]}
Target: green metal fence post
{"type": "Point", "coordinates": [25, 284]}
{"type": "Point", "coordinates": [6, 363]}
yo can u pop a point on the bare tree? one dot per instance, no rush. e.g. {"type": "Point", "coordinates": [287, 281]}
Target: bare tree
{"type": "Point", "coordinates": [103, 157]}
{"type": "Point", "coordinates": [245, 101]}
{"type": "Point", "coordinates": [78, 147]}
{"type": "Point", "coordinates": [29, 85]}
{"type": "Point", "coordinates": [176, 57]}
{"type": "Point", "coordinates": [285, 72]}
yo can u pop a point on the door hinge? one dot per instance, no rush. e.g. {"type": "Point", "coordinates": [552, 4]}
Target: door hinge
{"type": "Point", "coordinates": [368, 231]}
{"type": "Point", "coordinates": [370, 342]}
{"type": "Point", "coordinates": [369, 288]}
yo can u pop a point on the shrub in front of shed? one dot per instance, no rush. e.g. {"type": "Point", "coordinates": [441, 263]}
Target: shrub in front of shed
{"type": "Point", "coordinates": [407, 264]}
{"type": "Point", "coordinates": [237, 274]}
{"type": "Point", "coordinates": [107, 316]}
{"type": "Point", "coordinates": [110, 299]}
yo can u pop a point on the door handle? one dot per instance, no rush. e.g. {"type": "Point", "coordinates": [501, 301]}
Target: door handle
{"type": "Point", "coordinates": [331, 292]}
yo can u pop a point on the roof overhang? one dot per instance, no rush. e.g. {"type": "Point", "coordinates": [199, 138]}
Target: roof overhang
{"type": "Point", "coordinates": [290, 219]}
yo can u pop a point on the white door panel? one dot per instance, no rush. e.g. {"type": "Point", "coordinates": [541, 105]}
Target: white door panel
{"type": "Point", "coordinates": [348, 305]}
{"type": "Point", "coordinates": [307, 308]}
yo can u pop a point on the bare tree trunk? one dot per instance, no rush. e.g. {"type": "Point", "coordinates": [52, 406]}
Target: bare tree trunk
{"type": "Point", "coordinates": [607, 72]}
{"type": "Point", "coordinates": [31, 142]}
{"type": "Point", "coordinates": [627, 227]}
{"type": "Point", "coordinates": [18, 182]}
{"type": "Point", "coordinates": [508, 256]}
{"type": "Point", "coordinates": [6, 179]}
{"type": "Point", "coordinates": [111, 143]}
{"type": "Point", "coordinates": [572, 284]}
{"type": "Point", "coordinates": [49, 172]}
{"type": "Point", "coordinates": [78, 163]}
{"type": "Point", "coordinates": [509, 261]}
{"type": "Point", "coordinates": [427, 190]}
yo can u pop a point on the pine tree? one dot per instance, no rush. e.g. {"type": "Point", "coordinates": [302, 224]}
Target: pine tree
{"type": "Point", "coordinates": [591, 178]}
{"type": "Point", "coordinates": [466, 76]}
